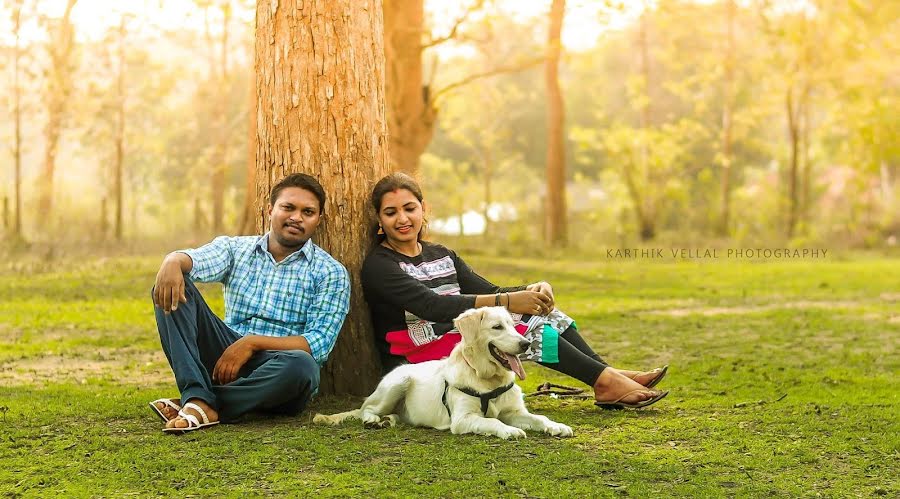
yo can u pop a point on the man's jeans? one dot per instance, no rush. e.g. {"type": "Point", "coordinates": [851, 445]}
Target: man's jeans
{"type": "Point", "coordinates": [194, 338]}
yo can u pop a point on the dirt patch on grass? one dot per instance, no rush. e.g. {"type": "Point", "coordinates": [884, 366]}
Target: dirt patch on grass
{"type": "Point", "coordinates": [122, 366]}
{"type": "Point", "coordinates": [9, 334]}
{"type": "Point", "coordinates": [752, 309]}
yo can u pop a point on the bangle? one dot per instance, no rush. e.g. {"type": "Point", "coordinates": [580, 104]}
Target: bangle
{"type": "Point", "coordinates": [507, 300]}
{"type": "Point", "coordinates": [497, 300]}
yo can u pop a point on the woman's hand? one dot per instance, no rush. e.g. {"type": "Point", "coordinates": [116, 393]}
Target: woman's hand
{"type": "Point", "coordinates": [529, 303]}
{"type": "Point", "coordinates": [544, 288]}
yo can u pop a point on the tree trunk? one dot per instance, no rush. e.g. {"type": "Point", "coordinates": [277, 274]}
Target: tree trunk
{"type": "Point", "coordinates": [411, 113]}
{"type": "Point", "coordinates": [647, 212]}
{"type": "Point", "coordinates": [250, 215]}
{"type": "Point", "coordinates": [218, 73]}
{"type": "Point", "coordinates": [727, 105]}
{"type": "Point", "coordinates": [120, 131]}
{"type": "Point", "coordinates": [17, 117]}
{"type": "Point", "coordinates": [320, 80]}
{"type": "Point", "coordinates": [794, 134]}
{"type": "Point", "coordinates": [487, 156]}
{"type": "Point", "coordinates": [59, 87]}
{"type": "Point", "coordinates": [104, 219]}
{"type": "Point", "coordinates": [556, 152]}
{"type": "Point", "coordinates": [806, 192]}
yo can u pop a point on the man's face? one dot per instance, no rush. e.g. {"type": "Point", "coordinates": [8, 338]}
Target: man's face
{"type": "Point", "coordinates": [294, 217]}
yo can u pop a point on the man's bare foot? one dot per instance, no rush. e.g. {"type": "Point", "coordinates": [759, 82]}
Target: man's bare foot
{"type": "Point", "coordinates": [168, 411]}
{"type": "Point", "coordinates": [180, 422]}
{"type": "Point", "coordinates": [613, 384]}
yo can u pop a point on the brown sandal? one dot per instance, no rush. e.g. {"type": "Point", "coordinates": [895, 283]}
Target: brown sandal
{"type": "Point", "coordinates": [655, 381]}
{"type": "Point", "coordinates": [616, 404]}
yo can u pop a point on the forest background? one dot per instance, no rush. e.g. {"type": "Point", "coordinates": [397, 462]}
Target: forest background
{"type": "Point", "coordinates": [129, 126]}
{"type": "Point", "coordinates": [543, 136]}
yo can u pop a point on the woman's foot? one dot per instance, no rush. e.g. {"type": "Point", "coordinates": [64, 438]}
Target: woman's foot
{"type": "Point", "coordinates": [646, 378]}
{"type": "Point", "coordinates": [180, 422]}
{"type": "Point", "coordinates": [615, 387]}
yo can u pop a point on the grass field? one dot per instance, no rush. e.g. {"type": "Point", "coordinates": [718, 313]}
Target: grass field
{"type": "Point", "coordinates": [781, 384]}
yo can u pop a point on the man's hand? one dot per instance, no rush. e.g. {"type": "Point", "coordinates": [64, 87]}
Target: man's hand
{"type": "Point", "coordinates": [169, 287]}
{"type": "Point", "coordinates": [232, 360]}
{"type": "Point", "coordinates": [545, 289]}
{"type": "Point", "coordinates": [530, 303]}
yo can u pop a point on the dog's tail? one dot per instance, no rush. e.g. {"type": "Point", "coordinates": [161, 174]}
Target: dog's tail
{"type": "Point", "coordinates": [336, 419]}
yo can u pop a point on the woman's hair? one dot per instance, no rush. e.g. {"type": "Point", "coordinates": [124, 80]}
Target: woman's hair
{"type": "Point", "coordinates": [391, 183]}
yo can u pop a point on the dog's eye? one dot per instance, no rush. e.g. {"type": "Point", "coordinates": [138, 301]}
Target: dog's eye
{"type": "Point", "coordinates": [497, 326]}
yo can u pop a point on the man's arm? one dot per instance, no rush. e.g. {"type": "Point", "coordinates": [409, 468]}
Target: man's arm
{"type": "Point", "coordinates": [169, 287]}
{"type": "Point", "coordinates": [211, 262]}
{"type": "Point", "coordinates": [327, 311]}
{"type": "Point", "coordinates": [324, 319]}
{"type": "Point", "coordinates": [238, 353]}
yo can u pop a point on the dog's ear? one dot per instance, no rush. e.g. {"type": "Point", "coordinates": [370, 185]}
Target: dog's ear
{"type": "Point", "coordinates": [468, 322]}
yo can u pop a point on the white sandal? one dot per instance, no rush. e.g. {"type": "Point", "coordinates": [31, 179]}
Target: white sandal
{"type": "Point", "coordinates": [193, 422]}
{"type": "Point", "coordinates": [168, 402]}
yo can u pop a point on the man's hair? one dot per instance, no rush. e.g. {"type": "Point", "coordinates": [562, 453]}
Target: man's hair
{"type": "Point", "coordinates": [302, 181]}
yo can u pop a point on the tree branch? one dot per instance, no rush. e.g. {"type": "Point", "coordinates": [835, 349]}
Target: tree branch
{"type": "Point", "coordinates": [452, 35]}
{"type": "Point", "coordinates": [513, 68]}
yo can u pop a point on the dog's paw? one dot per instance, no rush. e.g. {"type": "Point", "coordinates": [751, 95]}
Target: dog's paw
{"type": "Point", "coordinates": [511, 433]}
{"type": "Point", "coordinates": [323, 419]}
{"type": "Point", "coordinates": [559, 430]}
{"type": "Point", "coordinates": [370, 420]}
{"type": "Point", "coordinates": [385, 422]}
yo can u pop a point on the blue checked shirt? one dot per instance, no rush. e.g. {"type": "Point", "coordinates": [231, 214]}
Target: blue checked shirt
{"type": "Point", "coordinates": [307, 293]}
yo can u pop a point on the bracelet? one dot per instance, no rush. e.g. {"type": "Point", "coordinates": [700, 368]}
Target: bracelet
{"type": "Point", "coordinates": [507, 300]}
{"type": "Point", "coordinates": [497, 300]}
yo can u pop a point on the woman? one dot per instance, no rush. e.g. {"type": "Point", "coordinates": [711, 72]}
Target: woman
{"type": "Point", "coordinates": [415, 288]}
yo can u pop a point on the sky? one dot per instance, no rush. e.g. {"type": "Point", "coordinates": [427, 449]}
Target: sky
{"type": "Point", "coordinates": [585, 22]}
{"type": "Point", "coordinates": [92, 18]}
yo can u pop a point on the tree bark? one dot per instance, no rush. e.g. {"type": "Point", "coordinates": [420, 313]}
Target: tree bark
{"type": "Point", "coordinates": [411, 113]}
{"type": "Point", "coordinates": [556, 152]}
{"type": "Point", "coordinates": [59, 87]}
{"type": "Point", "coordinates": [320, 80]}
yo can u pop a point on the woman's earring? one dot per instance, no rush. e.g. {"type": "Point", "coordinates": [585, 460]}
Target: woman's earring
{"type": "Point", "coordinates": [380, 230]}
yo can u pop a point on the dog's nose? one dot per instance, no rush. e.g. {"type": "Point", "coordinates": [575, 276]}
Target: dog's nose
{"type": "Point", "coordinates": [524, 344]}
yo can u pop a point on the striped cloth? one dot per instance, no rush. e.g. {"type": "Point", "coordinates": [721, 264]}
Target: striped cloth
{"type": "Point", "coordinates": [307, 293]}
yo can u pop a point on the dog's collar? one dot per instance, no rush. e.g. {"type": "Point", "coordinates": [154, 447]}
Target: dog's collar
{"type": "Point", "coordinates": [485, 397]}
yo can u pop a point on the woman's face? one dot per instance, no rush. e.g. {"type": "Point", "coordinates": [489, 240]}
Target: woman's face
{"type": "Point", "coordinates": [401, 216]}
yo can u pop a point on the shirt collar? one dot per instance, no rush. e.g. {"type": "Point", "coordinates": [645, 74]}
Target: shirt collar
{"type": "Point", "coordinates": [262, 244]}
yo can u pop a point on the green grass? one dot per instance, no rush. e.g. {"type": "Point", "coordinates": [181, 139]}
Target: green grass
{"type": "Point", "coordinates": [782, 384]}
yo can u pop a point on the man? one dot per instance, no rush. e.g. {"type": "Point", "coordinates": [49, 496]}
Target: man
{"type": "Point", "coordinates": [285, 302]}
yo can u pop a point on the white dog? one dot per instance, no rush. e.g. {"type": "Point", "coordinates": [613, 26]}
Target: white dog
{"type": "Point", "coordinates": [471, 391]}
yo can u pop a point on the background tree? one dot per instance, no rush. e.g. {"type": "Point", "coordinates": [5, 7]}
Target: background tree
{"type": "Point", "coordinates": [322, 113]}
{"type": "Point", "coordinates": [726, 157]}
{"type": "Point", "coordinates": [60, 50]}
{"type": "Point", "coordinates": [16, 8]}
{"type": "Point", "coordinates": [555, 221]}
{"type": "Point", "coordinates": [410, 109]}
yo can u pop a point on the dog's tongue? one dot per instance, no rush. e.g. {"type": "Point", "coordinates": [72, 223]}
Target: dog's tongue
{"type": "Point", "coordinates": [516, 365]}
